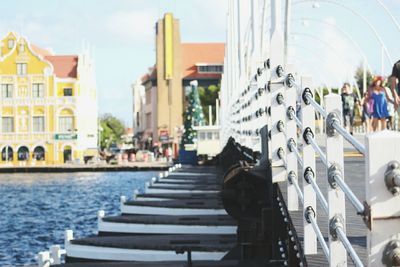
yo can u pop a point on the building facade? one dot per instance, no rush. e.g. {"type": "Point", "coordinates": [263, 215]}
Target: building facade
{"type": "Point", "coordinates": [177, 64]}
{"type": "Point", "coordinates": [48, 105]}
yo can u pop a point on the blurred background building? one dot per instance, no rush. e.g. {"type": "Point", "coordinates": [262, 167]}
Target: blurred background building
{"type": "Point", "coordinates": [159, 96]}
{"type": "Point", "coordinates": [48, 105]}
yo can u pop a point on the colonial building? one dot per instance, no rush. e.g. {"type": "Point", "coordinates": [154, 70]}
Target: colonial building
{"type": "Point", "coordinates": [48, 105]}
{"type": "Point", "coordinates": [177, 64]}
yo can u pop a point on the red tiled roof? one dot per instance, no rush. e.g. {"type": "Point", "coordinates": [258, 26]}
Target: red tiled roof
{"type": "Point", "coordinates": [193, 53]}
{"type": "Point", "coordinates": [64, 66]}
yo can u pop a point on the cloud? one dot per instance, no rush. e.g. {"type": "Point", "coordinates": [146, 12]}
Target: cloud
{"type": "Point", "coordinates": [132, 24]}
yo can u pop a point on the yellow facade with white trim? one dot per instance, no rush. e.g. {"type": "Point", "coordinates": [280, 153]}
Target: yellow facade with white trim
{"type": "Point", "coordinates": [46, 128]}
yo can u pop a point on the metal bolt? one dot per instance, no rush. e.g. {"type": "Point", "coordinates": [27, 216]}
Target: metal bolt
{"type": "Point", "coordinates": [291, 144]}
{"type": "Point", "coordinates": [280, 99]}
{"type": "Point", "coordinates": [333, 172]}
{"type": "Point", "coordinates": [279, 71]}
{"type": "Point", "coordinates": [306, 92]}
{"type": "Point", "coordinates": [290, 80]}
{"type": "Point", "coordinates": [267, 63]}
{"type": "Point", "coordinates": [280, 153]}
{"type": "Point", "coordinates": [335, 222]}
{"type": "Point", "coordinates": [331, 119]}
{"type": "Point", "coordinates": [290, 113]}
{"type": "Point", "coordinates": [307, 173]}
{"type": "Point", "coordinates": [392, 177]}
{"type": "Point", "coordinates": [391, 254]}
{"type": "Point", "coordinates": [309, 212]}
{"type": "Point", "coordinates": [280, 126]}
{"type": "Point", "coordinates": [307, 134]}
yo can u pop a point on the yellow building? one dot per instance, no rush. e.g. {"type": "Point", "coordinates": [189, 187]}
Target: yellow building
{"type": "Point", "coordinates": [48, 105]}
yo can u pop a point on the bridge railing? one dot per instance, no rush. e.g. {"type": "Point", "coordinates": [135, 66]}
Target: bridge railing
{"type": "Point", "coordinates": [272, 94]}
{"type": "Point", "coordinates": [385, 146]}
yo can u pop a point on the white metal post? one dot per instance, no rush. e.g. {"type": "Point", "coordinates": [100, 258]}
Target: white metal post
{"type": "Point", "coordinates": [291, 136]}
{"type": "Point", "coordinates": [55, 254]}
{"type": "Point", "coordinates": [44, 259]}
{"type": "Point", "coordinates": [336, 197]}
{"type": "Point", "coordinates": [382, 183]}
{"type": "Point", "coordinates": [278, 140]}
{"type": "Point", "coordinates": [308, 122]}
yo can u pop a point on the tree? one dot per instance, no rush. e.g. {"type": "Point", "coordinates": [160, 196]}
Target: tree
{"type": "Point", "coordinates": [193, 115]}
{"type": "Point", "coordinates": [207, 98]}
{"type": "Point", "coordinates": [111, 130]}
{"type": "Point", "coordinates": [359, 76]}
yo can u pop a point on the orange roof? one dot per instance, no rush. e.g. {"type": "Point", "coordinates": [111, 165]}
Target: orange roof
{"type": "Point", "coordinates": [194, 53]}
{"type": "Point", "coordinates": [64, 66]}
{"type": "Point", "coordinates": [40, 51]}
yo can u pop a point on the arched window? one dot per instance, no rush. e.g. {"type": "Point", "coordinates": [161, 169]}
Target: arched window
{"type": "Point", "coordinates": [38, 153]}
{"type": "Point", "coordinates": [23, 153]}
{"type": "Point", "coordinates": [7, 154]}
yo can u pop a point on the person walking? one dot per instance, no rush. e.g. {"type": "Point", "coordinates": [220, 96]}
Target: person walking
{"type": "Point", "coordinates": [367, 110]}
{"type": "Point", "coordinates": [395, 88]}
{"type": "Point", "coordinates": [380, 99]}
{"type": "Point", "coordinates": [349, 103]}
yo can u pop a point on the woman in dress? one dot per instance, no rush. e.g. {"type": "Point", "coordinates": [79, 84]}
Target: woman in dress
{"type": "Point", "coordinates": [380, 98]}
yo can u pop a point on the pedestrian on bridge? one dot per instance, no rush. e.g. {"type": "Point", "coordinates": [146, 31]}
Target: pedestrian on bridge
{"type": "Point", "coordinates": [380, 99]}
{"type": "Point", "coordinates": [395, 88]}
{"type": "Point", "coordinates": [350, 102]}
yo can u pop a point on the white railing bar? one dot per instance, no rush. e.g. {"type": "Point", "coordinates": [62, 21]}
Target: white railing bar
{"type": "Point", "coordinates": [320, 196]}
{"type": "Point", "coordinates": [360, 147]}
{"type": "Point", "coordinates": [317, 106]}
{"type": "Point", "coordinates": [298, 122]}
{"type": "Point", "coordinates": [318, 149]}
{"type": "Point", "coordinates": [320, 237]}
{"type": "Point", "coordinates": [349, 194]}
{"type": "Point", "coordinates": [346, 243]}
{"type": "Point", "coordinates": [294, 182]}
{"type": "Point", "coordinates": [293, 148]}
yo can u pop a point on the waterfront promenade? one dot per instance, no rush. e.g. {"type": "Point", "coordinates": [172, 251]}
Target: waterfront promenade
{"type": "Point", "coordinates": [128, 166]}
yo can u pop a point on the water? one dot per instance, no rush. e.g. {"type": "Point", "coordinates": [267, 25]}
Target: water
{"type": "Point", "coordinates": [35, 209]}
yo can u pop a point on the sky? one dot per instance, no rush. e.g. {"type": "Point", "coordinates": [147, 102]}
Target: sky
{"type": "Point", "coordinates": [121, 33]}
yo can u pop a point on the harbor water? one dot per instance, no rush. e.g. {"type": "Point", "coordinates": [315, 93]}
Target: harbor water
{"type": "Point", "coordinates": [35, 209]}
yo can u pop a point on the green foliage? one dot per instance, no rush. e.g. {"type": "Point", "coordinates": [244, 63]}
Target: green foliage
{"type": "Point", "coordinates": [207, 98]}
{"type": "Point", "coordinates": [359, 76]}
{"type": "Point", "coordinates": [193, 116]}
{"type": "Point", "coordinates": [111, 130]}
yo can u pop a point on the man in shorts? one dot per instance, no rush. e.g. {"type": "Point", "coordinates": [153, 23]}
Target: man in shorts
{"type": "Point", "coordinates": [349, 103]}
{"type": "Point", "coordinates": [394, 87]}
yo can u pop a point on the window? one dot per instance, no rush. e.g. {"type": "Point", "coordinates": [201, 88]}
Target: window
{"type": "Point", "coordinates": [21, 68]}
{"type": "Point", "coordinates": [209, 136]}
{"type": "Point", "coordinates": [211, 69]}
{"type": "Point", "coordinates": [21, 47]}
{"type": "Point", "coordinates": [67, 91]}
{"type": "Point", "coordinates": [7, 124]}
{"type": "Point", "coordinates": [6, 90]}
{"type": "Point", "coordinates": [216, 135]}
{"type": "Point", "coordinates": [10, 43]}
{"type": "Point", "coordinates": [66, 124]}
{"type": "Point", "coordinates": [202, 136]}
{"type": "Point", "coordinates": [38, 90]}
{"type": "Point", "coordinates": [38, 124]}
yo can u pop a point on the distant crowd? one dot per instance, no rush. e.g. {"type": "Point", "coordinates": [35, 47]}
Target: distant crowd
{"type": "Point", "coordinates": [378, 107]}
